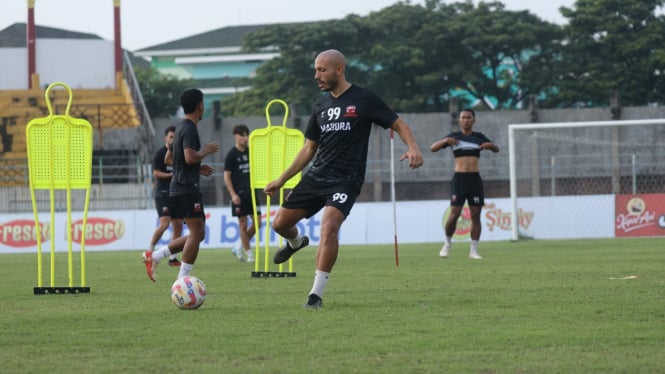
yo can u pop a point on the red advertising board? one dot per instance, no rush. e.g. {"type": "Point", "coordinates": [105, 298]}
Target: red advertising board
{"type": "Point", "coordinates": [639, 215]}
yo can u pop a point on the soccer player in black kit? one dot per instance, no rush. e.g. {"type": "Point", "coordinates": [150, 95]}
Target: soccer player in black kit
{"type": "Point", "coordinates": [337, 134]}
{"type": "Point", "coordinates": [237, 181]}
{"type": "Point", "coordinates": [466, 185]}
{"type": "Point", "coordinates": [186, 154]}
{"type": "Point", "coordinates": [162, 174]}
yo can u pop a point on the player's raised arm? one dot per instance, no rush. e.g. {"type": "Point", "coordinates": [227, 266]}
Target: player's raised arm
{"type": "Point", "coordinates": [491, 146]}
{"type": "Point", "coordinates": [443, 143]}
{"type": "Point", "coordinates": [193, 157]}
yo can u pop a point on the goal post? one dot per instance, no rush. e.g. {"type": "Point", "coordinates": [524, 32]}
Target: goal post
{"type": "Point", "coordinates": [584, 155]}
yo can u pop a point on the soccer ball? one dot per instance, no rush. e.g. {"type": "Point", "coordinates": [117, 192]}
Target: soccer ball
{"type": "Point", "coordinates": [188, 292]}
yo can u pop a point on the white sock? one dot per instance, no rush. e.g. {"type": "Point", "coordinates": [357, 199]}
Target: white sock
{"type": "Point", "coordinates": [173, 257]}
{"type": "Point", "coordinates": [160, 254]}
{"type": "Point", "coordinates": [295, 242]}
{"type": "Point", "coordinates": [474, 246]}
{"type": "Point", "coordinates": [449, 241]}
{"type": "Point", "coordinates": [151, 247]}
{"type": "Point", "coordinates": [185, 270]}
{"type": "Point", "coordinates": [320, 281]}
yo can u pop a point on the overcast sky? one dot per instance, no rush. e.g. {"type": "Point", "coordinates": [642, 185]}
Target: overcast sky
{"type": "Point", "coordinates": [149, 22]}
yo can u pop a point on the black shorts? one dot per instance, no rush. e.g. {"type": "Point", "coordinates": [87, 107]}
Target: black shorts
{"type": "Point", "coordinates": [312, 196]}
{"type": "Point", "coordinates": [245, 208]}
{"type": "Point", "coordinates": [467, 187]}
{"type": "Point", "coordinates": [163, 206]}
{"type": "Point", "coordinates": [187, 206]}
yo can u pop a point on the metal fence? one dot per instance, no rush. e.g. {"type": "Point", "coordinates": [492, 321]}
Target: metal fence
{"type": "Point", "coordinates": [121, 180]}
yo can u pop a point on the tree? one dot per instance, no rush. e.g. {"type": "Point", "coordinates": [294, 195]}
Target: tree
{"type": "Point", "coordinates": [161, 92]}
{"type": "Point", "coordinates": [290, 76]}
{"type": "Point", "coordinates": [384, 51]}
{"type": "Point", "coordinates": [612, 45]}
{"type": "Point", "coordinates": [413, 56]}
{"type": "Point", "coordinates": [500, 47]}
{"type": "Point", "coordinates": [403, 59]}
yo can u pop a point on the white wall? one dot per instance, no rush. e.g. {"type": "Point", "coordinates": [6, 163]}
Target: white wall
{"type": "Point", "coordinates": [14, 71]}
{"type": "Point", "coordinates": [86, 63]}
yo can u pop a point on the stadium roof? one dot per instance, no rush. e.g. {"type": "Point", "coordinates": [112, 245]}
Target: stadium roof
{"type": "Point", "coordinates": [224, 37]}
{"type": "Point", "coordinates": [14, 36]}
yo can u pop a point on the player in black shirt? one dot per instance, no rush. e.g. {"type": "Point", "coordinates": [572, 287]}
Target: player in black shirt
{"type": "Point", "coordinates": [162, 174]}
{"type": "Point", "coordinates": [337, 137]}
{"type": "Point", "coordinates": [236, 179]}
{"type": "Point", "coordinates": [466, 185]}
{"type": "Point", "coordinates": [186, 155]}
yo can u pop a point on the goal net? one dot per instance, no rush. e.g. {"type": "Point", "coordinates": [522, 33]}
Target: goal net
{"type": "Point", "coordinates": [567, 163]}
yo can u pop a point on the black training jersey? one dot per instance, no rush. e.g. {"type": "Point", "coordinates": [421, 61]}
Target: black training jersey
{"type": "Point", "coordinates": [237, 162]}
{"type": "Point", "coordinates": [469, 145]}
{"type": "Point", "coordinates": [185, 177]}
{"type": "Point", "coordinates": [162, 185]}
{"type": "Point", "coordinates": [342, 127]}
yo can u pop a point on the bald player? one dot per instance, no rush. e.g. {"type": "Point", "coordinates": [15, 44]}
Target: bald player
{"type": "Point", "coordinates": [337, 137]}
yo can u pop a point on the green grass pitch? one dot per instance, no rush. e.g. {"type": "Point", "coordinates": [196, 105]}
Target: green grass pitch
{"type": "Point", "coordinates": [569, 306]}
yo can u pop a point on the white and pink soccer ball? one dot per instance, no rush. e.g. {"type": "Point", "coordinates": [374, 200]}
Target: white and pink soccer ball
{"type": "Point", "coordinates": [188, 292]}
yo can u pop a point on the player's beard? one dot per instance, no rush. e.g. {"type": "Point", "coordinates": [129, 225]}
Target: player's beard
{"type": "Point", "coordinates": [329, 84]}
